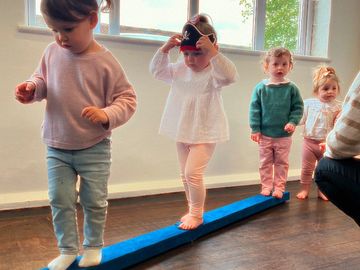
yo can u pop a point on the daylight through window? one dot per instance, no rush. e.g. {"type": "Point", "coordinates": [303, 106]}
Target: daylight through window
{"type": "Point", "coordinates": [243, 24]}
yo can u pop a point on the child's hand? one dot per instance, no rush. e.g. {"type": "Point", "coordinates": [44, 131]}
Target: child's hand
{"type": "Point", "coordinates": [289, 128]}
{"type": "Point", "coordinates": [255, 137]}
{"type": "Point", "coordinates": [206, 46]}
{"type": "Point", "coordinates": [24, 92]}
{"type": "Point", "coordinates": [322, 147]}
{"type": "Point", "coordinates": [173, 41]}
{"type": "Point", "coordinates": [95, 115]}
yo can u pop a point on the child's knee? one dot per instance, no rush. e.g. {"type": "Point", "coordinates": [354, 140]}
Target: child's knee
{"type": "Point", "coordinates": [193, 177]}
{"type": "Point", "coordinates": [62, 200]}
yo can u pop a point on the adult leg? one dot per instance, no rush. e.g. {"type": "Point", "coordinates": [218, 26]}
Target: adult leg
{"type": "Point", "coordinates": [93, 166]}
{"type": "Point", "coordinates": [266, 158]}
{"type": "Point", "coordinates": [196, 163]}
{"type": "Point", "coordinates": [62, 195]}
{"type": "Point", "coordinates": [339, 180]}
{"type": "Point", "coordinates": [282, 148]}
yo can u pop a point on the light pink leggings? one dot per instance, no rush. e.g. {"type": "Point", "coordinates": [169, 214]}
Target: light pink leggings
{"type": "Point", "coordinates": [311, 153]}
{"type": "Point", "coordinates": [274, 162]}
{"type": "Point", "coordinates": [193, 159]}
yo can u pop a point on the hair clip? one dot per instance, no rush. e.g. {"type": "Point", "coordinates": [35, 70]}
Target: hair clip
{"type": "Point", "coordinates": [195, 19]}
{"type": "Point", "coordinates": [325, 72]}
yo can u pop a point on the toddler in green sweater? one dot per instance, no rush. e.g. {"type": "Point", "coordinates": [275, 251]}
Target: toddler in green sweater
{"type": "Point", "coordinates": [276, 108]}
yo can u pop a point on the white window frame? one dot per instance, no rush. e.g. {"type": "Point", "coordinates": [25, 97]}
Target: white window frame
{"type": "Point", "coordinates": [306, 15]}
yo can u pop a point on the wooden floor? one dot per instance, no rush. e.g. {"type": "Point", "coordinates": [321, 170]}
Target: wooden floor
{"type": "Point", "coordinates": [309, 234]}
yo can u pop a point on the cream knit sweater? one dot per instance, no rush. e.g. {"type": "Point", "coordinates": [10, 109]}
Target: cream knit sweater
{"type": "Point", "coordinates": [344, 140]}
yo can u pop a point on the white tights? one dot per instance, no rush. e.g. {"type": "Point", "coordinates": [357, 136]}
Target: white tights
{"type": "Point", "coordinates": [193, 159]}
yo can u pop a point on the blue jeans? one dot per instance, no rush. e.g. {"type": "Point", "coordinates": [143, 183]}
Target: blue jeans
{"type": "Point", "coordinates": [339, 180]}
{"type": "Point", "coordinates": [92, 165]}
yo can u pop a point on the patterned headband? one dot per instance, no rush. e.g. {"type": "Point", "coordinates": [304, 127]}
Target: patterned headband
{"type": "Point", "coordinates": [191, 34]}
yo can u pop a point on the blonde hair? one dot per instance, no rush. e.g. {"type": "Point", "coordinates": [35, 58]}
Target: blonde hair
{"type": "Point", "coordinates": [321, 74]}
{"type": "Point", "coordinates": [276, 52]}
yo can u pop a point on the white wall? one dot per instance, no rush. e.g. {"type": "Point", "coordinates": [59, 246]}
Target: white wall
{"type": "Point", "coordinates": [143, 161]}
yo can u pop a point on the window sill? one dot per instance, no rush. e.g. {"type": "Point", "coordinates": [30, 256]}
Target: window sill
{"type": "Point", "coordinates": [159, 42]}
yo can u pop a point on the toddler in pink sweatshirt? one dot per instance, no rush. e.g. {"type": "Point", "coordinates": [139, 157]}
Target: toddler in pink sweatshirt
{"type": "Point", "coordinates": [87, 95]}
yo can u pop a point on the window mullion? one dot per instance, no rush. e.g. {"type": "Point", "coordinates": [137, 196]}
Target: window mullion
{"type": "Point", "coordinates": [98, 26]}
{"type": "Point", "coordinates": [193, 8]}
{"type": "Point", "coordinates": [259, 25]}
{"type": "Point", "coordinates": [303, 26]}
{"type": "Point", "coordinates": [309, 26]}
{"type": "Point", "coordinates": [114, 18]}
{"type": "Point", "coordinates": [31, 12]}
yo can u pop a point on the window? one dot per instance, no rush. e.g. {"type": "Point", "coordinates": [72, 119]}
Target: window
{"type": "Point", "coordinates": [231, 27]}
{"type": "Point", "coordinates": [243, 24]}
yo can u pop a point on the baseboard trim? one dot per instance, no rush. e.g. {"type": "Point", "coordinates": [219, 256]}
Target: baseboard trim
{"type": "Point", "coordinates": [10, 201]}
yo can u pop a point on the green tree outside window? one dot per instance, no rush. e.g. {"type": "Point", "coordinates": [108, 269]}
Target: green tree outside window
{"type": "Point", "coordinates": [281, 22]}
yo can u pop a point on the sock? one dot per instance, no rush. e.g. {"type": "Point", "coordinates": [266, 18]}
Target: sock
{"type": "Point", "coordinates": [90, 257]}
{"type": "Point", "coordinates": [62, 262]}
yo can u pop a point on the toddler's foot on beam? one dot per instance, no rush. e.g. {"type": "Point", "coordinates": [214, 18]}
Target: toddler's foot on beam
{"type": "Point", "coordinates": [277, 194]}
{"type": "Point", "coordinates": [190, 222]}
{"type": "Point", "coordinates": [265, 192]}
{"type": "Point", "coordinates": [90, 257]}
{"type": "Point", "coordinates": [62, 262]}
{"type": "Point", "coordinates": [184, 217]}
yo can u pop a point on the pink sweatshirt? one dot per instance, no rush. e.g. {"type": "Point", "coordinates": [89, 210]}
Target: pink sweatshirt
{"type": "Point", "coordinates": [71, 82]}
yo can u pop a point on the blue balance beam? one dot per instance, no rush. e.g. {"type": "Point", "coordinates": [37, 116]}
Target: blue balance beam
{"type": "Point", "coordinates": [138, 249]}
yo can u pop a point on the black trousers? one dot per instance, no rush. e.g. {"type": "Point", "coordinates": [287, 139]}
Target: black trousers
{"type": "Point", "coordinates": [339, 180]}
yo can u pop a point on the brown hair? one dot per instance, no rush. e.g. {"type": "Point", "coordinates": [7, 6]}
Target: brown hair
{"type": "Point", "coordinates": [70, 10]}
{"type": "Point", "coordinates": [321, 74]}
{"type": "Point", "coordinates": [276, 52]}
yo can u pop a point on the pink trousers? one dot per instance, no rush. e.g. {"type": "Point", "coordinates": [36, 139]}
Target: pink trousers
{"type": "Point", "coordinates": [311, 153]}
{"type": "Point", "coordinates": [274, 162]}
{"type": "Point", "coordinates": [193, 159]}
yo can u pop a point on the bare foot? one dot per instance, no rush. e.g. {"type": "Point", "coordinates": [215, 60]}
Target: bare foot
{"type": "Point", "coordinates": [265, 192]}
{"type": "Point", "coordinates": [302, 195]}
{"type": "Point", "coordinates": [182, 219]}
{"type": "Point", "coordinates": [190, 222]}
{"type": "Point", "coordinates": [277, 194]}
{"type": "Point", "coordinates": [322, 196]}
{"type": "Point", "coordinates": [304, 192]}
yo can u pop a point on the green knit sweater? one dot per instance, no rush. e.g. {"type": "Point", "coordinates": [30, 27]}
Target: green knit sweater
{"type": "Point", "coordinates": [273, 106]}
